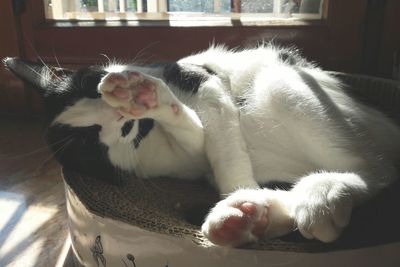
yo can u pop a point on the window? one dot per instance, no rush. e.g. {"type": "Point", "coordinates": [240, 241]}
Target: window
{"type": "Point", "coordinates": [219, 11]}
{"type": "Point", "coordinates": [334, 39]}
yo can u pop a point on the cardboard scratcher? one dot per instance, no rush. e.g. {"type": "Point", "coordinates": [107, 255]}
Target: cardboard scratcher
{"type": "Point", "coordinates": [156, 222]}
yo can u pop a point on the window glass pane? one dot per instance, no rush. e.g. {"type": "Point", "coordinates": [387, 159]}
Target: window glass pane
{"type": "Point", "coordinates": [280, 6]}
{"type": "Point", "coordinates": [257, 6]}
{"type": "Point", "coordinates": [207, 6]}
{"type": "Point", "coordinates": [137, 9]}
{"type": "Point", "coordinates": [84, 5]}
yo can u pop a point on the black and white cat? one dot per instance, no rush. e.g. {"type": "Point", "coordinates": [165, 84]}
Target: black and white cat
{"type": "Point", "coordinates": [239, 118]}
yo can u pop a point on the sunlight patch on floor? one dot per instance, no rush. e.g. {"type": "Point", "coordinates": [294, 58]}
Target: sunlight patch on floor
{"type": "Point", "coordinates": [20, 227]}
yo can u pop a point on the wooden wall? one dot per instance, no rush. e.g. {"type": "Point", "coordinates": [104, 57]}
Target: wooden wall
{"type": "Point", "coordinates": [390, 41]}
{"type": "Point", "coordinates": [12, 93]}
{"type": "Point", "coordinates": [339, 44]}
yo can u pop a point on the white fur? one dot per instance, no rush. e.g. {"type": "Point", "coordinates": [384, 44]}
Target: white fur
{"type": "Point", "coordinates": [297, 126]}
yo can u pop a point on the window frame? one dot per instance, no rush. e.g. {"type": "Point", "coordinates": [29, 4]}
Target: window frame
{"type": "Point", "coordinates": [334, 45]}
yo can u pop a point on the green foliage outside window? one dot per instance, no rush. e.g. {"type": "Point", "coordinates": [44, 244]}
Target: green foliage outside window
{"type": "Point", "coordinates": [89, 2]}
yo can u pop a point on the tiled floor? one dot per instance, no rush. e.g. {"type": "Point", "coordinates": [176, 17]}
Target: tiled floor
{"type": "Point", "coordinates": [33, 219]}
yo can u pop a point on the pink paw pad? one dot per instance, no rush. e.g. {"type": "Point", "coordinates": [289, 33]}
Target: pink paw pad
{"type": "Point", "coordinates": [146, 95]}
{"type": "Point", "coordinates": [117, 79]}
{"type": "Point", "coordinates": [132, 92]}
{"type": "Point", "coordinates": [232, 232]}
{"type": "Point", "coordinates": [121, 93]}
{"type": "Point", "coordinates": [135, 76]}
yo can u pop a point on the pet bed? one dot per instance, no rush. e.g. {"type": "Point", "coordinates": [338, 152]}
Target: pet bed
{"type": "Point", "coordinates": [156, 222]}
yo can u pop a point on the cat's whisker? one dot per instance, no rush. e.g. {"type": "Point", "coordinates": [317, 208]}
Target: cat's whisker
{"type": "Point", "coordinates": [141, 51]}
{"type": "Point", "coordinates": [43, 148]}
{"type": "Point", "coordinates": [58, 63]}
{"type": "Point", "coordinates": [53, 74]}
{"type": "Point", "coordinates": [48, 79]}
{"type": "Point", "coordinates": [109, 60]}
{"type": "Point", "coordinates": [37, 54]}
{"type": "Point", "coordinates": [48, 159]}
{"type": "Point", "coordinates": [145, 61]}
{"type": "Point", "coordinates": [67, 142]}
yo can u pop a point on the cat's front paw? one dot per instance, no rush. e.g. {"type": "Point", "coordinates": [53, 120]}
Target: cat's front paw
{"type": "Point", "coordinates": [136, 94]}
{"type": "Point", "coordinates": [246, 216]}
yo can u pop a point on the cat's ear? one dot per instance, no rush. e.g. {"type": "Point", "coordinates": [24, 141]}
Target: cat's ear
{"type": "Point", "coordinates": [38, 75]}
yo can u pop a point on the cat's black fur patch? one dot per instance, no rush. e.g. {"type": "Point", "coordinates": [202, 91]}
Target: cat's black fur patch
{"type": "Point", "coordinates": [240, 101]}
{"type": "Point", "coordinates": [79, 149]}
{"type": "Point", "coordinates": [85, 81]}
{"type": "Point", "coordinates": [145, 126]}
{"type": "Point", "coordinates": [63, 93]}
{"type": "Point", "coordinates": [187, 77]}
{"type": "Point", "coordinates": [289, 57]}
{"type": "Point", "coordinates": [127, 127]}
{"type": "Point", "coordinates": [293, 57]}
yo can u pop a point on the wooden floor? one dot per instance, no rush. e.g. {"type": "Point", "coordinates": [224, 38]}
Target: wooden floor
{"type": "Point", "coordinates": [33, 219]}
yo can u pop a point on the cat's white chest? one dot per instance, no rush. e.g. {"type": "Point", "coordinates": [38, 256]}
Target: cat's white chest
{"type": "Point", "coordinates": [160, 157]}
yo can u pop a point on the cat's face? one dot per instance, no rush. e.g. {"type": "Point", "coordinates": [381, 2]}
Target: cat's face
{"type": "Point", "coordinates": [81, 126]}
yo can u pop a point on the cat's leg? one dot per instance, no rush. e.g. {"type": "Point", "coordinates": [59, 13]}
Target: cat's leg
{"type": "Point", "coordinates": [137, 95]}
{"type": "Point", "coordinates": [319, 205]}
{"type": "Point", "coordinates": [349, 168]}
{"type": "Point", "coordinates": [224, 143]}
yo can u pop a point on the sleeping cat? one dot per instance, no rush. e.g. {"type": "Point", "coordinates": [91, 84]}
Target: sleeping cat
{"type": "Point", "coordinates": [239, 118]}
